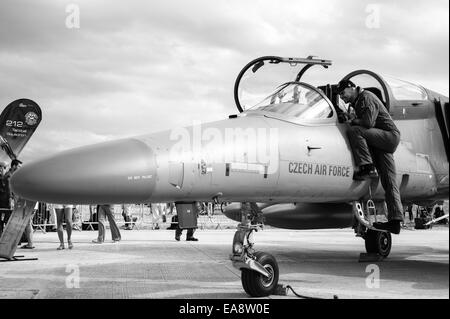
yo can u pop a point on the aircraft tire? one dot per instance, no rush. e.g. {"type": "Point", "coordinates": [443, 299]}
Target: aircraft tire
{"type": "Point", "coordinates": [378, 242]}
{"type": "Point", "coordinates": [255, 284]}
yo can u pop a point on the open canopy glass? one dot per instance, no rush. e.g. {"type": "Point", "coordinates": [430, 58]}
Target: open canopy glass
{"type": "Point", "coordinates": [298, 100]}
{"type": "Point", "coordinates": [262, 76]}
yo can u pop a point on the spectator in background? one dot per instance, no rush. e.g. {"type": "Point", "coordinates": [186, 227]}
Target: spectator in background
{"type": "Point", "coordinates": [28, 232]}
{"type": "Point", "coordinates": [173, 215]}
{"type": "Point", "coordinates": [15, 165]}
{"type": "Point", "coordinates": [190, 231]}
{"type": "Point", "coordinates": [158, 210]}
{"type": "Point", "coordinates": [5, 197]}
{"type": "Point", "coordinates": [76, 218]}
{"type": "Point", "coordinates": [104, 211]}
{"type": "Point", "coordinates": [439, 212]}
{"type": "Point", "coordinates": [410, 213]}
{"type": "Point", "coordinates": [93, 215]}
{"type": "Point", "coordinates": [127, 217]}
{"type": "Point", "coordinates": [51, 217]}
{"type": "Point", "coordinates": [64, 212]}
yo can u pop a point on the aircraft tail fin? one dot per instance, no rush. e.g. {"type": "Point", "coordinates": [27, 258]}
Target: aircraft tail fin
{"type": "Point", "coordinates": [18, 121]}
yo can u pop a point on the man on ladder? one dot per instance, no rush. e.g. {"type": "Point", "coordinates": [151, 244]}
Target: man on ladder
{"type": "Point", "coordinates": [373, 127]}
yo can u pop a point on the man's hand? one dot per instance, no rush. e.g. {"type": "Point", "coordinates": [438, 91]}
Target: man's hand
{"type": "Point", "coordinates": [345, 117]}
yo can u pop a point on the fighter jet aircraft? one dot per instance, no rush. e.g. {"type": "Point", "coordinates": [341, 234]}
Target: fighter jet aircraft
{"type": "Point", "coordinates": [284, 160]}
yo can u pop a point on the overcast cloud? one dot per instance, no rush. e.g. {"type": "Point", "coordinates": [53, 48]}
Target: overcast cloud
{"type": "Point", "coordinates": [136, 67]}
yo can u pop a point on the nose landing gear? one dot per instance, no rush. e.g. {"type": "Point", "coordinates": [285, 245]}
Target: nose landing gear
{"type": "Point", "coordinates": [259, 270]}
{"type": "Point", "coordinates": [257, 285]}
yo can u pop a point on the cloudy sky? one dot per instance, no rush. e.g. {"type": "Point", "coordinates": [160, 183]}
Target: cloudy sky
{"type": "Point", "coordinates": [135, 67]}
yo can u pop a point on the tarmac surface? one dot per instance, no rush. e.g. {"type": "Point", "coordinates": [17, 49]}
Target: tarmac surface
{"type": "Point", "coordinates": [151, 264]}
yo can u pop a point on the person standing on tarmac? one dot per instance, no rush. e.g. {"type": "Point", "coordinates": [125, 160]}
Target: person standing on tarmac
{"type": "Point", "coordinates": [28, 232]}
{"type": "Point", "coordinates": [5, 197]}
{"type": "Point", "coordinates": [103, 212]}
{"type": "Point", "coordinates": [64, 212]}
{"type": "Point", "coordinates": [190, 231]}
{"type": "Point", "coordinates": [374, 128]}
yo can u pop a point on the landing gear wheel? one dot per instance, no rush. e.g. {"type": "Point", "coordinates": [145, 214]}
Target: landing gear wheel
{"type": "Point", "coordinates": [257, 285]}
{"type": "Point", "coordinates": [378, 242]}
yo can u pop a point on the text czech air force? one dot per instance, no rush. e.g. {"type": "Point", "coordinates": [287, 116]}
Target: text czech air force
{"type": "Point", "coordinates": [318, 169]}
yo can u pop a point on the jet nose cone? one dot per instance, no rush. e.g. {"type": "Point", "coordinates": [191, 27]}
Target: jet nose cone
{"type": "Point", "coordinates": [121, 171]}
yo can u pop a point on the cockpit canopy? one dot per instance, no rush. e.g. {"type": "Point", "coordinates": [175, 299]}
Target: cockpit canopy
{"type": "Point", "coordinates": [264, 75]}
{"type": "Point", "coordinates": [296, 99]}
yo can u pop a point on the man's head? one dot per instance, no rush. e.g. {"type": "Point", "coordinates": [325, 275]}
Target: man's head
{"type": "Point", "coordinates": [15, 164]}
{"type": "Point", "coordinates": [347, 91]}
{"type": "Point", "coordinates": [2, 168]}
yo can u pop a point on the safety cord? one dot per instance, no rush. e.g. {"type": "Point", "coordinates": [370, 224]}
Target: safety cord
{"type": "Point", "coordinates": [307, 297]}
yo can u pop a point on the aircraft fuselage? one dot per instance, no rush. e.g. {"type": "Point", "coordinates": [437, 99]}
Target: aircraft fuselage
{"type": "Point", "coordinates": [300, 163]}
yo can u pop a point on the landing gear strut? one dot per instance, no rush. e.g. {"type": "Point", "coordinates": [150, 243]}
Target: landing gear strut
{"type": "Point", "coordinates": [259, 270]}
{"type": "Point", "coordinates": [377, 241]}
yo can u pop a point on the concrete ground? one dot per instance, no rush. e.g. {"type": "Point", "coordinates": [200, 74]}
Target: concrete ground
{"type": "Point", "coordinates": [151, 264]}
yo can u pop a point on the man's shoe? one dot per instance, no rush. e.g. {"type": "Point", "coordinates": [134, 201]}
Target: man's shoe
{"type": "Point", "coordinates": [96, 241]}
{"type": "Point", "coordinates": [177, 238]}
{"type": "Point", "coordinates": [358, 176]}
{"type": "Point", "coordinates": [392, 226]}
{"type": "Point", "coordinates": [191, 239]}
{"type": "Point", "coordinates": [366, 171]}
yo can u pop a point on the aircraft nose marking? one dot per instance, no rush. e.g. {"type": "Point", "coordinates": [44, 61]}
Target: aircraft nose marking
{"type": "Point", "coordinates": [111, 172]}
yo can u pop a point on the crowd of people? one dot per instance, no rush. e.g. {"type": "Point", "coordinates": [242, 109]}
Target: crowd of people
{"type": "Point", "coordinates": [67, 217]}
